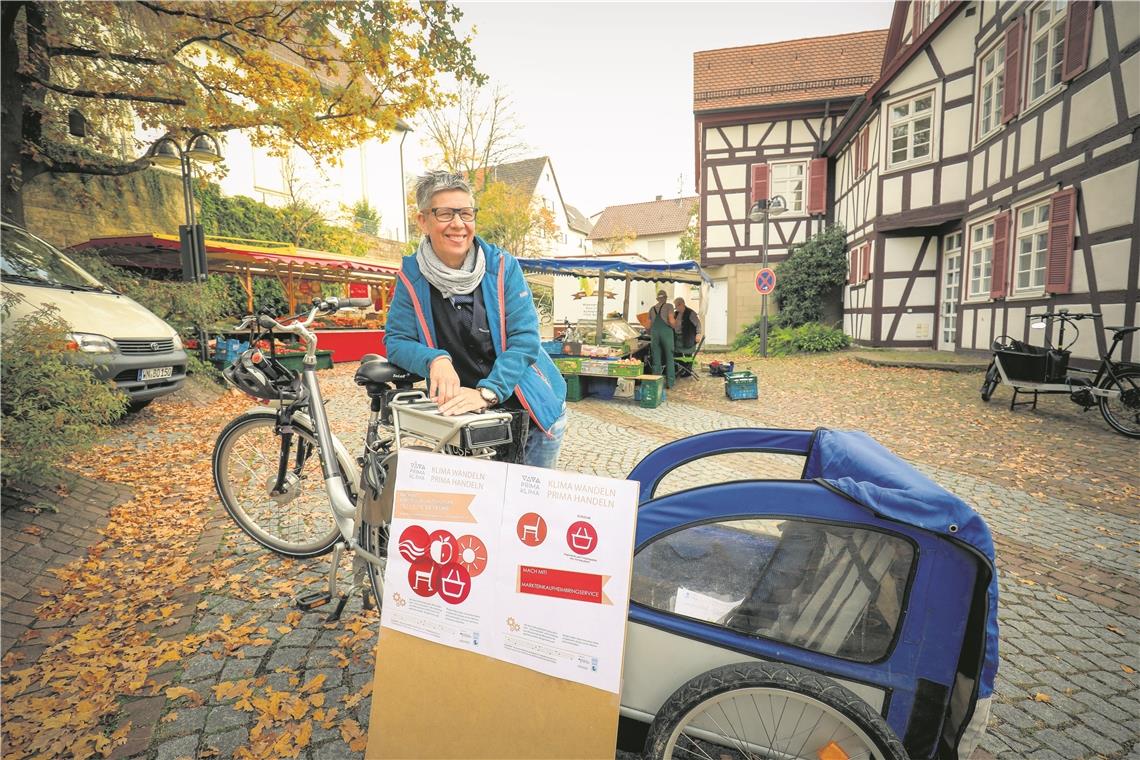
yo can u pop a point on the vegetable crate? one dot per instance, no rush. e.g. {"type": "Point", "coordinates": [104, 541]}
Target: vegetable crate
{"type": "Point", "coordinates": [568, 365]}
{"type": "Point", "coordinates": [573, 388]}
{"type": "Point", "coordinates": [651, 393]}
{"type": "Point", "coordinates": [623, 368]}
{"type": "Point", "coordinates": [740, 385]}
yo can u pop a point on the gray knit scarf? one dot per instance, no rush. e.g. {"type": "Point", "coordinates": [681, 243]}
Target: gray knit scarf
{"type": "Point", "coordinates": [450, 281]}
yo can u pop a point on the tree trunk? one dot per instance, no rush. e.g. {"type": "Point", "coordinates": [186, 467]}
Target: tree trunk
{"type": "Point", "coordinates": [12, 124]}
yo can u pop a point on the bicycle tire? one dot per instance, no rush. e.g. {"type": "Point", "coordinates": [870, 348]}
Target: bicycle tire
{"type": "Point", "coordinates": [991, 382]}
{"type": "Point", "coordinates": [694, 718]}
{"type": "Point", "coordinates": [1123, 413]}
{"type": "Point", "coordinates": [298, 523]}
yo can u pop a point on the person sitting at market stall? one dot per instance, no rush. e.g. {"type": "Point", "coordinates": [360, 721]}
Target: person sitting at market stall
{"type": "Point", "coordinates": [463, 317]}
{"type": "Point", "coordinates": [661, 327]}
{"type": "Point", "coordinates": [687, 326]}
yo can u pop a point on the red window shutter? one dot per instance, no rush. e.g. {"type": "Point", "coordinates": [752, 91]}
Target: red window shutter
{"type": "Point", "coordinates": [1001, 247]}
{"type": "Point", "coordinates": [866, 274]}
{"type": "Point", "coordinates": [853, 271]}
{"type": "Point", "coordinates": [817, 186]}
{"type": "Point", "coordinates": [1078, 34]}
{"type": "Point", "coordinates": [759, 182]}
{"type": "Point", "coordinates": [866, 148]}
{"type": "Point", "coordinates": [1011, 95]}
{"type": "Point", "coordinates": [916, 19]}
{"type": "Point", "coordinates": [1062, 224]}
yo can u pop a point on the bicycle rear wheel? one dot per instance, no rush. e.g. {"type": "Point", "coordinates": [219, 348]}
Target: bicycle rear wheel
{"type": "Point", "coordinates": [1123, 412]}
{"type": "Point", "coordinates": [298, 521]}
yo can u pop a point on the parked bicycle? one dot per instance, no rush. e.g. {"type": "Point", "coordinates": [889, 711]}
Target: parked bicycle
{"type": "Point", "coordinates": [292, 485]}
{"type": "Point", "coordinates": [1113, 386]}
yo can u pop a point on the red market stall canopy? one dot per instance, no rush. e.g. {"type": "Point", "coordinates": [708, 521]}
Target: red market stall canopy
{"type": "Point", "coordinates": [248, 259]}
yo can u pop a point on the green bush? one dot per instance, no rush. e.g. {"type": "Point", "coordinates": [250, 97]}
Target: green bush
{"type": "Point", "coordinates": [812, 273]}
{"type": "Point", "coordinates": [810, 338]}
{"type": "Point", "coordinates": [52, 404]}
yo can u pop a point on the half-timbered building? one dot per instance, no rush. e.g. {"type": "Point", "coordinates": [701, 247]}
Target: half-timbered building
{"type": "Point", "coordinates": [990, 172]}
{"type": "Point", "coordinates": [766, 111]}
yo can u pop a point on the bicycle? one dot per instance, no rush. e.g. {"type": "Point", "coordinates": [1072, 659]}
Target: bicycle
{"type": "Point", "coordinates": [1113, 386]}
{"type": "Point", "coordinates": [301, 506]}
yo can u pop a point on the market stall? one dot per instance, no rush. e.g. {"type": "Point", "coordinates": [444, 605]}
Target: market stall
{"type": "Point", "coordinates": [300, 271]}
{"type": "Point", "coordinates": [595, 352]}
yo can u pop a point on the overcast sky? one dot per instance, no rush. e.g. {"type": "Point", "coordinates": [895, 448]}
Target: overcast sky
{"type": "Point", "coordinates": [606, 89]}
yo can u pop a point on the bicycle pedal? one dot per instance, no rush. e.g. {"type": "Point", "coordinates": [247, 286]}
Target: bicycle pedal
{"type": "Point", "coordinates": [312, 599]}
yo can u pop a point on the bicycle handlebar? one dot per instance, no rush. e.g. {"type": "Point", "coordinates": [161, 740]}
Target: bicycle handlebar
{"type": "Point", "coordinates": [1065, 315]}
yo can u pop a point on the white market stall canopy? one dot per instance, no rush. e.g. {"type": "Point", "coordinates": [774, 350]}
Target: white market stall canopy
{"type": "Point", "coordinates": [685, 271]}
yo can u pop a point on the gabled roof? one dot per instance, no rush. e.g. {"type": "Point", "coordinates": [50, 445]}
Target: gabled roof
{"type": "Point", "coordinates": [577, 221]}
{"type": "Point", "coordinates": [809, 69]}
{"type": "Point", "coordinates": [653, 218]}
{"type": "Point", "coordinates": [523, 175]}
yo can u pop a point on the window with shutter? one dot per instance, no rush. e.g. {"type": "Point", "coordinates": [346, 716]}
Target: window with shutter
{"type": "Point", "coordinates": [991, 90]}
{"type": "Point", "coordinates": [1046, 50]}
{"type": "Point", "coordinates": [817, 186]}
{"type": "Point", "coordinates": [759, 182]}
{"type": "Point", "coordinates": [1078, 34]}
{"type": "Point", "coordinates": [853, 266]}
{"type": "Point", "coordinates": [1001, 245]}
{"type": "Point", "coordinates": [1011, 95]}
{"type": "Point", "coordinates": [866, 261]}
{"type": "Point", "coordinates": [981, 259]}
{"type": "Point", "coordinates": [1062, 224]}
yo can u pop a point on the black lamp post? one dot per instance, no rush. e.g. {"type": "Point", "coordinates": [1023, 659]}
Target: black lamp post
{"type": "Point", "coordinates": [762, 210]}
{"type": "Point", "coordinates": [168, 153]}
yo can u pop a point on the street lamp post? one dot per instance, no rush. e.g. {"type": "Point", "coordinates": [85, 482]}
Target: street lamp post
{"type": "Point", "coordinates": [168, 153]}
{"type": "Point", "coordinates": [762, 210]}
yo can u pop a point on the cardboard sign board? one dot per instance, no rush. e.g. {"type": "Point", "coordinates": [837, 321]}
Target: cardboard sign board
{"type": "Point", "coordinates": [503, 622]}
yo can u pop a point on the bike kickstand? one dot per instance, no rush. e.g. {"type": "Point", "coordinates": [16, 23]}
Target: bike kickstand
{"type": "Point", "coordinates": [313, 599]}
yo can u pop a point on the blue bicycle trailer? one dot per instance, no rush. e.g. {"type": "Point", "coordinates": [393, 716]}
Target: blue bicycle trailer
{"type": "Point", "coordinates": [851, 613]}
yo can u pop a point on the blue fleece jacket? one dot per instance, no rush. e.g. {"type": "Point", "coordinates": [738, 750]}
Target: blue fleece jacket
{"type": "Point", "coordinates": [521, 368]}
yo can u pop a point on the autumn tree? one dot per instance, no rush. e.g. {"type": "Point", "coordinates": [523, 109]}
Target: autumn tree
{"type": "Point", "coordinates": [81, 79]}
{"type": "Point", "coordinates": [509, 218]}
{"type": "Point", "coordinates": [619, 242]}
{"type": "Point", "coordinates": [478, 130]}
{"type": "Point", "coordinates": [689, 246]}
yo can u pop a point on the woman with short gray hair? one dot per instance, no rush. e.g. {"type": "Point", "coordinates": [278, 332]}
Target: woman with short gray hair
{"type": "Point", "coordinates": [463, 317]}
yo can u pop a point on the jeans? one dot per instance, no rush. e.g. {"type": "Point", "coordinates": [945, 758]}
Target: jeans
{"type": "Point", "coordinates": [542, 450]}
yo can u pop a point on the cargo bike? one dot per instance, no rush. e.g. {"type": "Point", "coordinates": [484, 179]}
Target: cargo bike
{"type": "Point", "coordinates": [851, 613]}
{"type": "Point", "coordinates": [1113, 386]}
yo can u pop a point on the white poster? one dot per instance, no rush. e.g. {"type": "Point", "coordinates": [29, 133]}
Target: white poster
{"type": "Point", "coordinates": [528, 565]}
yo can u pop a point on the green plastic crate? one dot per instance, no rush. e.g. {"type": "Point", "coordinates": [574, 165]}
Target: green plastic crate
{"type": "Point", "coordinates": [625, 370]}
{"type": "Point", "coordinates": [652, 393]}
{"type": "Point", "coordinates": [568, 365]}
{"type": "Point", "coordinates": [293, 361]}
{"type": "Point", "coordinates": [573, 388]}
{"type": "Point", "coordinates": [740, 385]}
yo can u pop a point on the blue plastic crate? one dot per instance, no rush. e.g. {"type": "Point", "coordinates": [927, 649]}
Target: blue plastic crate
{"type": "Point", "coordinates": [552, 347]}
{"type": "Point", "coordinates": [740, 385]}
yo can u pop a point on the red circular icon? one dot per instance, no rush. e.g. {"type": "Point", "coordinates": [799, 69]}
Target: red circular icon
{"type": "Point", "coordinates": [472, 554]}
{"type": "Point", "coordinates": [413, 543]}
{"type": "Point", "coordinates": [442, 547]}
{"type": "Point", "coordinates": [454, 583]}
{"type": "Point", "coordinates": [423, 577]}
{"type": "Point", "coordinates": [531, 529]}
{"type": "Point", "coordinates": [582, 538]}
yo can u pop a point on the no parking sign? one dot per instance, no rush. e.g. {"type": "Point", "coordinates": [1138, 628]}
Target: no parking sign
{"type": "Point", "coordinates": [766, 281]}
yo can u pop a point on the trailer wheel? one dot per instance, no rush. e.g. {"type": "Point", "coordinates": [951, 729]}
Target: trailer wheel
{"type": "Point", "coordinates": [761, 709]}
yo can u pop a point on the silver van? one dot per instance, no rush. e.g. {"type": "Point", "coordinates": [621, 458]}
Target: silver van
{"type": "Point", "coordinates": [126, 343]}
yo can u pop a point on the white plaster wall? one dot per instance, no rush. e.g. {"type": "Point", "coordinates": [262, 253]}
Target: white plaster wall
{"type": "Point", "coordinates": [953, 182]}
{"type": "Point", "coordinates": [1110, 263]}
{"type": "Point", "coordinates": [954, 44]}
{"type": "Point", "coordinates": [900, 253]}
{"type": "Point", "coordinates": [917, 72]}
{"type": "Point", "coordinates": [915, 327]}
{"type": "Point", "coordinates": [956, 131]}
{"type": "Point", "coordinates": [800, 133]}
{"type": "Point", "coordinates": [922, 189]}
{"type": "Point", "coordinates": [1027, 143]}
{"type": "Point", "coordinates": [993, 169]}
{"type": "Point", "coordinates": [1110, 197]}
{"type": "Point", "coordinates": [1092, 110]}
{"type": "Point", "coordinates": [1051, 131]}
{"type": "Point", "coordinates": [1127, 21]}
{"type": "Point", "coordinates": [713, 140]}
{"type": "Point", "coordinates": [733, 177]}
{"type": "Point", "coordinates": [1098, 48]}
{"type": "Point", "coordinates": [892, 195]}
{"type": "Point", "coordinates": [735, 136]}
{"type": "Point", "coordinates": [1130, 71]}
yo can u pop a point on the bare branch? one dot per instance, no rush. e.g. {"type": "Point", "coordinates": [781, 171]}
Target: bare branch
{"type": "Point", "coordinates": [79, 93]}
{"type": "Point", "coordinates": [81, 52]}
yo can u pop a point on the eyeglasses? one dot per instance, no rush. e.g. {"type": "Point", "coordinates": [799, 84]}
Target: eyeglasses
{"type": "Point", "coordinates": [444, 214]}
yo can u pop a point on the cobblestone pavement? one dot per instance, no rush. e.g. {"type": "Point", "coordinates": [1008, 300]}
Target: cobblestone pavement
{"type": "Point", "coordinates": [1058, 488]}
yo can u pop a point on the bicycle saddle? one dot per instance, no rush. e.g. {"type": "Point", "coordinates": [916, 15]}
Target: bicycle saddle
{"type": "Point", "coordinates": [375, 371]}
{"type": "Point", "coordinates": [1123, 330]}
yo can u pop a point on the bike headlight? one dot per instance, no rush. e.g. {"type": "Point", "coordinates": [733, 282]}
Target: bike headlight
{"type": "Point", "coordinates": [177, 342]}
{"type": "Point", "coordinates": [91, 344]}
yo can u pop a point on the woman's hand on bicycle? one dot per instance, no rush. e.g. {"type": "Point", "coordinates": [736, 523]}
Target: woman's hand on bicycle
{"type": "Point", "coordinates": [444, 381]}
{"type": "Point", "coordinates": [467, 400]}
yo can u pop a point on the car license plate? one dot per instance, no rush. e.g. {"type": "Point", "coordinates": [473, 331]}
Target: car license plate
{"type": "Point", "coordinates": [155, 373]}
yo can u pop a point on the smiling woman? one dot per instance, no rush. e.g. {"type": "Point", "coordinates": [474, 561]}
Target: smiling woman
{"type": "Point", "coordinates": [463, 316]}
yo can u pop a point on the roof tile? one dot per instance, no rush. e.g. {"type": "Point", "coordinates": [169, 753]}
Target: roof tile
{"type": "Point", "coordinates": [652, 218]}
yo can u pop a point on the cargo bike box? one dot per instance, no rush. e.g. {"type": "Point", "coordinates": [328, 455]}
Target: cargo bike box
{"type": "Point", "coordinates": [851, 613]}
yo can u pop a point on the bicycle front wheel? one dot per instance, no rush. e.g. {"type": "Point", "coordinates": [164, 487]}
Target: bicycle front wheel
{"type": "Point", "coordinates": [1122, 412]}
{"type": "Point", "coordinates": [990, 382]}
{"type": "Point", "coordinates": [767, 710]}
{"type": "Point", "coordinates": [294, 520]}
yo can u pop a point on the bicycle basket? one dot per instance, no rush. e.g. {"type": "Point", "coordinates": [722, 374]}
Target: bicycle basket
{"type": "Point", "coordinates": [261, 376]}
{"type": "Point", "coordinates": [1022, 361]}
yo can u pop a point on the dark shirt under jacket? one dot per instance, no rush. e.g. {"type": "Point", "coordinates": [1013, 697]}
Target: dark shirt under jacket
{"type": "Point", "coordinates": [462, 329]}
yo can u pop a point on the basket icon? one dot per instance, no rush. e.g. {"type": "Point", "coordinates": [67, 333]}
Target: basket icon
{"type": "Point", "coordinates": [452, 585]}
{"type": "Point", "coordinates": [582, 539]}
